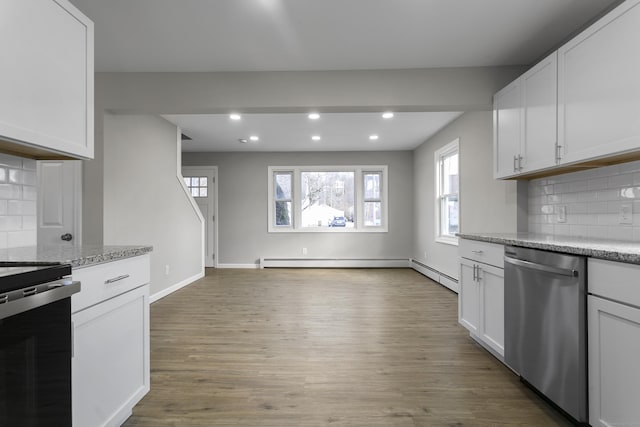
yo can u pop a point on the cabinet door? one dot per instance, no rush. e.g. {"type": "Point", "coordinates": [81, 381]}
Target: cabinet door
{"type": "Point", "coordinates": [614, 351]}
{"type": "Point", "coordinates": [110, 362]}
{"type": "Point", "coordinates": [506, 130]}
{"type": "Point", "coordinates": [491, 281]}
{"type": "Point", "coordinates": [599, 87]}
{"type": "Point", "coordinates": [46, 78]}
{"type": "Point", "coordinates": [469, 297]}
{"type": "Point", "coordinates": [540, 115]}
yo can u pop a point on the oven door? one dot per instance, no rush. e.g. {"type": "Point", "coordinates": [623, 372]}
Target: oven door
{"type": "Point", "coordinates": [35, 363]}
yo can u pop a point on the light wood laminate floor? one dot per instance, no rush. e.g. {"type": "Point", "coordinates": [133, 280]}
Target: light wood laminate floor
{"type": "Point", "coordinates": [321, 347]}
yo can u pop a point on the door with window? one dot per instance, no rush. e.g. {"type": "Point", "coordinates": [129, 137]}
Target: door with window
{"type": "Point", "coordinates": [201, 183]}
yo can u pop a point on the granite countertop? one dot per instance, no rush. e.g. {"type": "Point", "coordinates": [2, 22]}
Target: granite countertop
{"type": "Point", "coordinates": [612, 250]}
{"type": "Point", "coordinates": [80, 256]}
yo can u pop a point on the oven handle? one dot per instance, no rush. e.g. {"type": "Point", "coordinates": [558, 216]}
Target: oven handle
{"type": "Point", "coordinates": [20, 305]}
{"type": "Point", "coordinates": [542, 267]}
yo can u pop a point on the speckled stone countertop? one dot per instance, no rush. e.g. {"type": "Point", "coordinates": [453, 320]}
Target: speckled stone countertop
{"type": "Point", "coordinates": [82, 256]}
{"type": "Point", "coordinates": [612, 250]}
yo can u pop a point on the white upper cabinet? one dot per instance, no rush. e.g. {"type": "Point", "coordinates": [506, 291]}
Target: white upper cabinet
{"type": "Point", "coordinates": [599, 88]}
{"type": "Point", "coordinates": [540, 115]}
{"type": "Point", "coordinates": [46, 78]}
{"type": "Point", "coordinates": [525, 121]}
{"type": "Point", "coordinates": [507, 115]}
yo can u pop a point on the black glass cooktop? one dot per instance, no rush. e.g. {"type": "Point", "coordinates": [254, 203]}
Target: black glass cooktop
{"type": "Point", "coordinates": [18, 275]}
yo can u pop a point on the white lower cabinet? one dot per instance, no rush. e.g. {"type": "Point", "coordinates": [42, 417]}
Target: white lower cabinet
{"type": "Point", "coordinates": [481, 297]}
{"type": "Point", "coordinates": [614, 344]}
{"type": "Point", "coordinates": [110, 365]}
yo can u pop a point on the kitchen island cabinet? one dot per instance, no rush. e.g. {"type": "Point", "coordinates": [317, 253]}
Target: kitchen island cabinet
{"type": "Point", "coordinates": [110, 365]}
{"type": "Point", "coordinates": [46, 80]}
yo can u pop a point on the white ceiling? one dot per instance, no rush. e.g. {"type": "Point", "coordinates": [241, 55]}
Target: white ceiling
{"type": "Point", "coordinates": [290, 35]}
{"type": "Point", "coordinates": [292, 132]}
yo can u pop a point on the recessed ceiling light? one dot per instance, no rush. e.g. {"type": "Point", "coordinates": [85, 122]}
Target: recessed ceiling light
{"type": "Point", "coordinates": [314, 116]}
{"type": "Point", "coordinates": [316, 137]}
{"type": "Point", "coordinates": [387, 115]}
{"type": "Point", "coordinates": [373, 137]}
{"type": "Point", "coordinates": [242, 141]}
{"type": "Point", "coordinates": [235, 116]}
{"type": "Point", "coordinates": [254, 138]}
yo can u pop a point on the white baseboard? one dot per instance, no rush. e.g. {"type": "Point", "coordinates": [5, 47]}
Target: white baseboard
{"type": "Point", "coordinates": [171, 289]}
{"type": "Point", "coordinates": [435, 275]}
{"type": "Point", "coordinates": [238, 265]}
{"type": "Point", "coordinates": [332, 263]}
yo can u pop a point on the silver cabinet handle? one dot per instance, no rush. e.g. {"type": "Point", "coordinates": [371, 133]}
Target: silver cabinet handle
{"type": "Point", "coordinates": [116, 279]}
{"type": "Point", "coordinates": [515, 160]}
{"type": "Point", "coordinates": [478, 251]}
{"type": "Point", "coordinates": [475, 275]}
{"type": "Point", "coordinates": [558, 153]}
{"type": "Point", "coordinates": [519, 163]}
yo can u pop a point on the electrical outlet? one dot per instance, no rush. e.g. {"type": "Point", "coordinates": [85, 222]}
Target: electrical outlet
{"type": "Point", "coordinates": [561, 215]}
{"type": "Point", "coordinates": [304, 251]}
{"type": "Point", "coordinates": [167, 269]}
{"type": "Point", "coordinates": [626, 214]}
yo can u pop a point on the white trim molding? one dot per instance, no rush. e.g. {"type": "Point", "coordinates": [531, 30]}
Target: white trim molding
{"type": "Point", "coordinates": [245, 266]}
{"type": "Point", "coordinates": [435, 275]}
{"type": "Point", "coordinates": [171, 289]}
{"type": "Point", "coordinates": [333, 263]}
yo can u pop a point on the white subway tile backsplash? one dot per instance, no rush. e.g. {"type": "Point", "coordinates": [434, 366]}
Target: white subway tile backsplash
{"type": "Point", "coordinates": [29, 164]}
{"type": "Point", "coordinates": [29, 178]}
{"type": "Point", "coordinates": [593, 200]}
{"type": "Point", "coordinates": [29, 192]}
{"type": "Point", "coordinates": [21, 238]}
{"type": "Point", "coordinates": [617, 181]}
{"type": "Point", "coordinates": [29, 222]}
{"type": "Point", "coordinates": [18, 196]}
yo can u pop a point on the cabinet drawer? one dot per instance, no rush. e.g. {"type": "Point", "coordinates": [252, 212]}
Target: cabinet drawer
{"type": "Point", "coordinates": [488, 253]}
{"type": "Point", "coordinates": [104, 281]}
{"type": "Point", "coordinates": [615, 280]}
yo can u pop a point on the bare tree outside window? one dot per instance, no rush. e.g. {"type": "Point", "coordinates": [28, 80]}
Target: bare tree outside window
{"type": "Point", "coordinates": [327, 199]}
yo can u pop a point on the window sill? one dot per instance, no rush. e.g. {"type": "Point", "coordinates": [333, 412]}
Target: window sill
{"type": "Point", "coordinates": [330, 230]}
{"type": "Point", "coordinates": [453, 241]}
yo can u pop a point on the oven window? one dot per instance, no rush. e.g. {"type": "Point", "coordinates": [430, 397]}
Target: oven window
{"type": "Point", "coordinates": [35, 367]}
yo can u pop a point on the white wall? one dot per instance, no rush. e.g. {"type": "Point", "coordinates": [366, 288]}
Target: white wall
{"type": "Point", "coordinates": [242, 208]}
{"type": "Point", "coordinates": [18, 197]}
{"type": "Point", "coordinates": [144, 200]}
{"type": "Point", "coordinates": [486, 205]}
{"type": "Point", "coordinates": [592, 198]}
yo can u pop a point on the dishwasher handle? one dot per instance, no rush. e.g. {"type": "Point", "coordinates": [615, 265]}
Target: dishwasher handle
{"type": "Point", "coordinates": [542, 267]}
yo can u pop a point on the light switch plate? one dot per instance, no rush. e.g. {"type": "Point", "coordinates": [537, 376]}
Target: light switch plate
{"type": "Point", "coordinates": [626, 214]}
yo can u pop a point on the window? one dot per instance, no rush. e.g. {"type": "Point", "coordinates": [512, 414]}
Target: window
{"type": "Point", "coordinates": [283, 198]}
{"type": "Point", "coordinates": [327, 199]}
{"type": "Point", "coordinates": [372, 199]}
{"type": "Point", "coordinates": [447, 193]}
{"type": "Point", "coordinates": [197, 185]}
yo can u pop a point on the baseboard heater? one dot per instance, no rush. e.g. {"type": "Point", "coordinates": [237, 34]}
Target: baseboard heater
{"type": "Point", "coordinates": [435, 275]}
{"type": "Point", "coordinates": [333, 263]}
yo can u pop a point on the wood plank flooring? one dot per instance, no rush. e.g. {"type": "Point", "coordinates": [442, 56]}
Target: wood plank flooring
{"type": "Point", "coordinates": [321, 347]}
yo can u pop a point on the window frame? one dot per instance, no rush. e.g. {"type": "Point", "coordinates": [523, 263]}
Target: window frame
{"type": "Point", "coordinates": [450, 149]}
{"type": "Point", "coordinates": [359, 172]}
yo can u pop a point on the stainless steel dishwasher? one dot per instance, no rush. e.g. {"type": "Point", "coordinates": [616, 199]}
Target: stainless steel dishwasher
{"type": "Point", "coordinates": [545, 325]}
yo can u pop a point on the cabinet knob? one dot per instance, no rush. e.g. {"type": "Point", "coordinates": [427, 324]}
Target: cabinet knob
{"type": "Point", "coordinates": [66, 237]}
